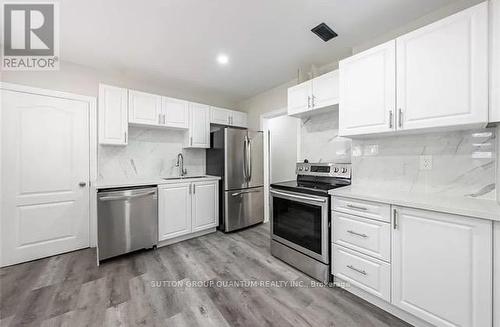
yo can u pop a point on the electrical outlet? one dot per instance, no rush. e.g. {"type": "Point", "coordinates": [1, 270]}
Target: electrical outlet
{"type": "Point", "coordinates": [426, 162]}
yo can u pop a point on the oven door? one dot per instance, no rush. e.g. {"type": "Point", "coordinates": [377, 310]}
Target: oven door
{"type": "Point", "coordinates": [300, 221]}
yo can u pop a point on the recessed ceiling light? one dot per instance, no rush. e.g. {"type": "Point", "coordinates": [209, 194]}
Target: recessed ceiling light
{"type": "Point", "coordinates": [222, 59]}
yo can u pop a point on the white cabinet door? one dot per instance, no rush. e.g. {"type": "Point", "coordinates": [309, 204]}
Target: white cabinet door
{"type": "Point", "coordinates": [45, 157]}
{"type": "Point", "coordinates": [113, 120]}
{"type": "Point", "coordinates": [442, 267]}
{"type": "Point", "coordinates": [144, 108]}
{"type": "Point", "coordinates": [175, 112]}
{"type": "Point", "coordinates": [442, 72]}
{"type": "Point", "coordinates": [174, 210]}
{"type": "Point", "coordinates": [368, 91]}
{"type": "Point", "coordinates": [494, 60]}
{"type": "Point", "coordinates": [220, 116]}
{"type": "Point", "coordinates": [299, 98]}
{"type": "Point", "coordinates": [325, 90]}
{"type": "Point", "coordinates": [199, 126]}
{"type": "Point", "coordinates": [205, 205]}
{"type": "Point", "coordinates": [239, 119]}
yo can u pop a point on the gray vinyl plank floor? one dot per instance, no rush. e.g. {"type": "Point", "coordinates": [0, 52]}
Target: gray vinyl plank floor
{"type": "Point", "coordinates": [184, 284]}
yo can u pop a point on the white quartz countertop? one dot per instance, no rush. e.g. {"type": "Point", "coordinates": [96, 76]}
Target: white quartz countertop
{"type": "Point", "coordinates": [465, 206]}
{"type": "Point", "coordinates": [101, 184]}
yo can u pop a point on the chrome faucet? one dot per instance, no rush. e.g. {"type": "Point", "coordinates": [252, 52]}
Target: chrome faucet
{"type": "Point", "coordinates": [180, 164]}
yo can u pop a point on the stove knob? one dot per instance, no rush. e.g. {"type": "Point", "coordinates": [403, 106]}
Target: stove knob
{"type": "Point", "coordinates": [344, 170]}
{"type": "Point", "coordinates": [335, 170]}
{"type": "Point", "coordinates": [307, 169]}
{"type": "Point", "coordinates": [300, 168]}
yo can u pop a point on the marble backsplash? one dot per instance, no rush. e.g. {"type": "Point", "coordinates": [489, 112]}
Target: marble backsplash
{"type": "Point", "coordinates": [320, 141]}
{"type": "Point", "coordinates": [149, 153]}
{"type": "Point", "coordinates": [463, 163]}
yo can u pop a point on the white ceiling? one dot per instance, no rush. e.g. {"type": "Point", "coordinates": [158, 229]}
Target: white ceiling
{"type": "Point", "coordinates": [266, 40]}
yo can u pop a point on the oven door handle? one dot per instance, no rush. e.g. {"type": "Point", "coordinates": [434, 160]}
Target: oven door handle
{"type": "Point", "coordinates": [298, 197]}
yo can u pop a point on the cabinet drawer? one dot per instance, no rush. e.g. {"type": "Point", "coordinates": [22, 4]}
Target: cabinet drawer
{"type": "Point", "coordinates": [370, 275]}
{"type": "Point", "coordinates": [368, 209]}
{"type": "Point", "coordinates": [371, 237]}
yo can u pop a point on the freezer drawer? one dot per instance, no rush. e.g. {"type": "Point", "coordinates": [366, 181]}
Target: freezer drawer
{"type": "Point", "coordinates": [127, 220]}
{"type": "Point", "coordinates": [243, 208]}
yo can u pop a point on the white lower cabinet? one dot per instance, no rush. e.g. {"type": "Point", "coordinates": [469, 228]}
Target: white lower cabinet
{"type": "Point", "coordinates": [369, 274]}
{"type": "Point", "coordinates": [442, 267]}
{"type": "Point", "coordinates": [185, 208]}
{"type": "Point", "coordinates": [205, 206]}
{"type": "Point", "coordinates": [174, 210]}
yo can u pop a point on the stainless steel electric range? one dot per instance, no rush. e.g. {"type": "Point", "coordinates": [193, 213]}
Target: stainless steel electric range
{"type": "Point", "coordinates": [300, 216]}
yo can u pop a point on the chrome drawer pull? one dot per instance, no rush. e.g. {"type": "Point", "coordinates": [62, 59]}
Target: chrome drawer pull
{"type": "Point", "coordinates": [357, 270]}
{"type": "Point", "coordinates": [356, 207]}
{"type": "Point", "coordinates": [357, 234]}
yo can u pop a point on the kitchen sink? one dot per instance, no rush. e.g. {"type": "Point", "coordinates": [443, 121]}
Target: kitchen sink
{"type": "Point", "coordinates": [184, 177]}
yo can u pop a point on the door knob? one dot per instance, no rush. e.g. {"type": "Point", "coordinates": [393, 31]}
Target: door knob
{"type": "Point", "coordinates": [82, 184]}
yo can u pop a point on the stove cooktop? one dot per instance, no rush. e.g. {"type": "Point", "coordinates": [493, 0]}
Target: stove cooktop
{"type": "Point", "coordinates": [314, 188]}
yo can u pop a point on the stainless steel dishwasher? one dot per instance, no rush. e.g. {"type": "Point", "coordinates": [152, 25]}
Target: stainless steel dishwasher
{"type": "Point", "coordinates": [127, 220]}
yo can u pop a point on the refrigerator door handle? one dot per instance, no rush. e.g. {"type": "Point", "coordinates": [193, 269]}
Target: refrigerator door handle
{"type": "Point", "coordinates": [249, 164]}
{"type": "Point", "coordinates": [245, 169]}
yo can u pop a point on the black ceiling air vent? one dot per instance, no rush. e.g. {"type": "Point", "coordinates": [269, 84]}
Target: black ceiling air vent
{"type": "Point", "coordinates": [324, 32]}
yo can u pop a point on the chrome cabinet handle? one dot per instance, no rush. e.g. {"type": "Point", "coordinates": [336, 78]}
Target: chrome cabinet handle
{"type": "Point", "coordinates": [357, 270]}
{"type": "Point", "coordinates": [352, 206]}
{"type": "Point", "coordinates": [298, 197]}
{"type": "Point", "coordinates": [191, 141]}
{"type": "Point", "coordinates": [391, 119]}
{"type": "Point", "coordinates": [400, 117]}
{"type": "Point", "coordinates": [395, 219]}
{"type": "Point", "coordinates": [125, 137]}
{"type": "Point", "coordinates": [312, 101]}
{"type": "Point", "coordinates": [190, 185]}
{"type": "Point", "coordinates": [357, 234]}
{"type": "Point", "coordinates": [82, 184]}
{"type": "Point", "coordinates": [194, 188]}
{"type": "Point", "coordinates": [308, 102]}
{"type": "Point", "coordinates": [159, 118]}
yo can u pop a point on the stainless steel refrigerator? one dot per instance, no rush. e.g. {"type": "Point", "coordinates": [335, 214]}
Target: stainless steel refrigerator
{"type": "Point", "coordinates": [237, 156]}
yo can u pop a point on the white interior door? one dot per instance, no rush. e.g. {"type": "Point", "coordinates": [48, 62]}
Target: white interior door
{"type": "Point", "coordinates": [45, 161]}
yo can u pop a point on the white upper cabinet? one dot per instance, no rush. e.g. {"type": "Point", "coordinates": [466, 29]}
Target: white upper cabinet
{"type": "Point", "coordinates": [299, 98]}
{"type": "Point", "coordinates": [175, 112]}
{"type": "Point", "coordinates": [113, 121]}
{"type": "Point", "coordinates": [144, 108]}
{"type": "Point", "coordinates": [442, 72]}
{"type": "Point", "coordinates": [199, 126]}
{"type": "Point", "coordinates": [239, 119]}
{"type": "Point", "coordinates": [228, 117]}
{"type": "Point", "coordinates": [368, 91]}
{"type": "Point", "coordinates": [442, 267]}
{"type": "Point", "coordinates": [220, 116]}
{"type": "Point", "coordinates": [325, 90]}
{"type": "Point", "coordinates": [318, 93]}
{"type": "Point", "coordinates": [205, 205]}
{"type": "Point", "coordinates": [441, 79]}
{"type": "Point", "coordinates": [494, 60]}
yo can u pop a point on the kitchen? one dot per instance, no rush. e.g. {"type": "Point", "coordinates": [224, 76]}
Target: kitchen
{"type": "Point", "coordinates": [157, 196]}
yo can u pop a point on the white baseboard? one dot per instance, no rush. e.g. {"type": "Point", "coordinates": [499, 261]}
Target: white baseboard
{"type": "Point", "coordinates": [186, 237]}
{"type": "Point", "coordinates": [384, 305]}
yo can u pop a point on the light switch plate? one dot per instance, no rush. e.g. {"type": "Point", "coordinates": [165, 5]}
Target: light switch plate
{"type": "Point", "coordinates": [425, 162]}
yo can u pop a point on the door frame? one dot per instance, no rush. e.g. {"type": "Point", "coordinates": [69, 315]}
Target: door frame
{"type": "Point", "coordinates": [267, 152]}
{"type": "Point", "coordinates": [92, 105]}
